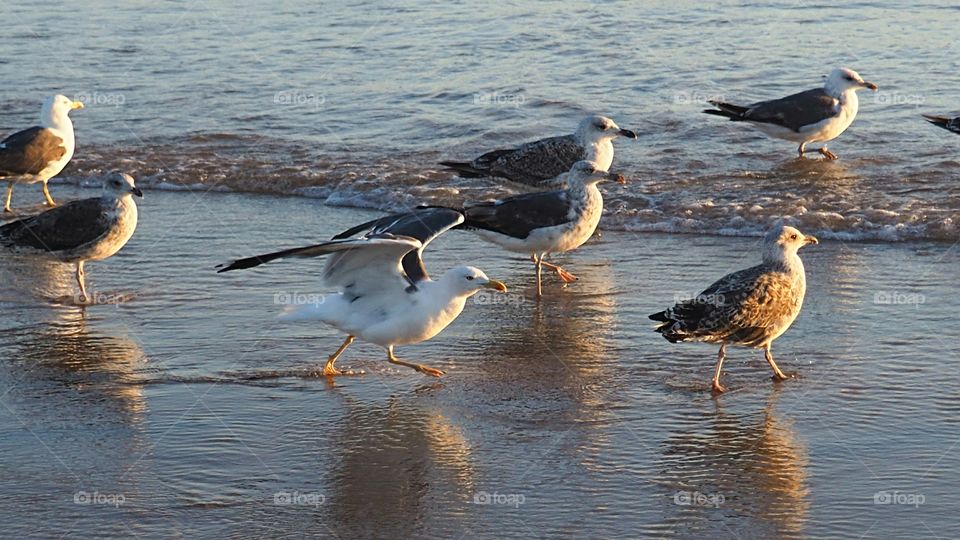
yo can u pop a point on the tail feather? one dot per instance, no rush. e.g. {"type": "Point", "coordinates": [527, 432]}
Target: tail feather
{"type": "Point", "coordinates": [465, 169]}
{"type": "Point", "coordinates": [671, 329]}
{"type": "Point", "coordinates": [950, 124]}
{"type": "Point", "coordinates": [727, 110]}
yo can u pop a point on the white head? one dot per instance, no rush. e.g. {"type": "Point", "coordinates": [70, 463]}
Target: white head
{"type": "Point", "coordinates": [466, 281]}
{"type": "Point", "coordinates": [55, 110]}
{"type": "Point", "coordinates": [594, 129]}
{"type": "Point", "coordinates": [118, 184]}
{"type": "Point", "coordinates": [843, 79]}
{"type": "Point", "coordinates": [587, 173]}
{"type": "Point", "coordinates": [782, 242]}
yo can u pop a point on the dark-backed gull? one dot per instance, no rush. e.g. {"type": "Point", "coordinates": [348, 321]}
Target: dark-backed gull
{"type": "Point", "coordinates": [750, 308]}
{"type": "Point", "coordinates": [545, 222]}
{"type": "Point", "coordinates": [384, 294]}
{"type": "Point", "coordinates": [539, 163]}
{"type": "Point", "coordinates": [79, 231]}
{"type": "Point", "coordinates": [949, 124]}
{"type": "Point", "coordinates": [39, 153]}
{"type": "Point", "coordinates": [817, 115]}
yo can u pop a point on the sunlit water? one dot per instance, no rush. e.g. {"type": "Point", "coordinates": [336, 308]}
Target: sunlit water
{"type": "Point", "coordinates": [188, 410]}
{"type": "Point", "coordinates": [354, 104]}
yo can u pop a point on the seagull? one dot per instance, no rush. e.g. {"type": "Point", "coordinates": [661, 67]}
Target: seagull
{"type": "Point", "coordinates": [750, 308]}
{"type": "Point", "coordinates": [545, 222]}
{"type": "Point", "coordinates": [539, 163]}
{"type": "Point", "coordinates": [385, 295]}
{"type": "Point", "coordinates": [79, 231]}
{"type": "Point", "coordinates": [817, 115]}
{"type": "Point", "coordinates": [950, 124]}
{"type": "Point", "coordinates": [39, 153]}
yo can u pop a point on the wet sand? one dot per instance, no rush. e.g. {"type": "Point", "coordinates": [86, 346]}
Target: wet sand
{"type": "Point", "coordinates": [188, 410]}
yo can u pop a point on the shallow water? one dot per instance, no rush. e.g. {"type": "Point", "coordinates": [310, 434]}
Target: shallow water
{"type": "Point", "coordinates": [355, 104]}
{"type": "Point", "coordinates": [189, 411]}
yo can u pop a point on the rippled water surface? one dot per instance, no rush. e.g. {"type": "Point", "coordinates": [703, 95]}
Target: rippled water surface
{"type": "Point", "coordinates": [199, 414]}
{"type": "Point", "coordinates": [356, 103]}
{"type": "Point", "coordinates": [184, 409]}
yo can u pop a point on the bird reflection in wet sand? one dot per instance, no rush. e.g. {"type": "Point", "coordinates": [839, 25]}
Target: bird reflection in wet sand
{"type": "Point", "coordinates": [65, 351]}
{"type": "Point", "coordinates": [747, 465]}
{"type": "Point", "coordinates": [393, 461]}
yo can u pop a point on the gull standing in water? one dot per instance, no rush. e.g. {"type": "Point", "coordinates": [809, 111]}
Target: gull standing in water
{"type": "Point", "coordinates": [545, 222]}
{"type": "Point", "coordinates": [817, 115]}
{"type": "Point", "coordinates": [750, 308]}
{"type": "Point", "coordinates": [384, 294]}
{"type": "Point", "coordinates": [79, 231]}
{"type": "Point", "coordinates": [540, 163]}
{"type": "Point", "coordinates": [39, 153]}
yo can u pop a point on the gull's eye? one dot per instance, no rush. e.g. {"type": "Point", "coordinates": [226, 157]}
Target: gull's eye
{"type": "Point", "coordinates": [601, 127]}
{"type": "Point", "coordinates": [469, 278]}
{"type": "Point", "coordinates": [793, 237]}
{"type": "Point", "coordinates": [848, 77]}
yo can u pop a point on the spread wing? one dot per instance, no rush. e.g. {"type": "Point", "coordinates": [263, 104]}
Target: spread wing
{"type": "Point", "coordinates": [65, 227]}
{"type": "Point", "coordinates": [424, 224]}
{"type": "Point", "coordinates": [536, 162]}
{"type": "Point", "coordinates": [795, 111]}
{"type": "Point", "coordinates": [29, 151]}
{"type": "Point", "coordinates": [517, 216]}
{"type": "Point", "coordinates": [357, 266]}
{"type": "Point", "coordinates": [740, 307]}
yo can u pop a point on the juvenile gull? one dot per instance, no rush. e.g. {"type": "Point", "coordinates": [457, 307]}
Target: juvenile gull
{"type": "Point", "coordinates": [79, 231]}
{"type": "Point", "coordinates": [384, 294]}
{"type": "Point", "coordinates": [950, 124]}
{"type": "Point", "coordinates": [539, 163]}
{"type": "Point", "coordinates": [39, 153]}
{"type": "Point", "coordinates": [817, 115]}
{"type": "Point", "coordinates": [545, 222]}
{"type": "Point", "coordinates": [750, 308]}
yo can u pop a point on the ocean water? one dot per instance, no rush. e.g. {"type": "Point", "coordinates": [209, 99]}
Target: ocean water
{"type": "Point", "coordinates": [355, 103]}
{"type": "Point", "coordinates": [181, 408]}
{"type": "Point", "coordinates": [187, 410]}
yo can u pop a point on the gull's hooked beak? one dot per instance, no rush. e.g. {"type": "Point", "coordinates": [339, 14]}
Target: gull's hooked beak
{"type": "Point", "coordinates": [136, 191]}
{"type": "Point", "coordinates": [495, 285]}
{"type": "Point", "coordinates": [810, 240]}
{"type": "Point", "coordinates": [627, 133]}
{"type": "Point", "coordinates": [76, 105]}
{"type": "Point", "coordinates": [869, 85]}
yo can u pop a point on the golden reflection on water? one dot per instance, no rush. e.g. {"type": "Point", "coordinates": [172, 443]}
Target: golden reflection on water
{"type": "Point", "coordinates": [753, 465]}
{"type": "Point", "coordinates": [64, 345]}
{"type": "Point", "coordinates": [391, 461]}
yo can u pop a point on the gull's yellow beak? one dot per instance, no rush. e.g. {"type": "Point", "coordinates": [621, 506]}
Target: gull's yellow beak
{"type": "Point", "coordinates": [810, 240]}
{"type": "Point", "coordinates": [76, 105]}
{"type": "Point", "coordinates": [495, 285]}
